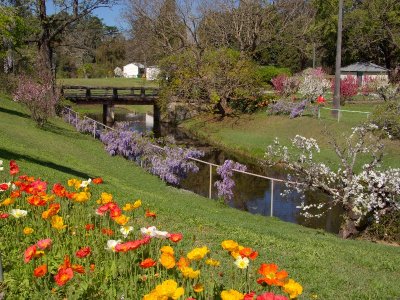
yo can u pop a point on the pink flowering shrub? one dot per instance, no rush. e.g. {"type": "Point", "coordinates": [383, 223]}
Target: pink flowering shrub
{"type": "Point", "coordinates": [39, 97]}
{"type": "Point", "coordinates": [348, 88]}
{"type": "Point", "coordinates": [284, 85]}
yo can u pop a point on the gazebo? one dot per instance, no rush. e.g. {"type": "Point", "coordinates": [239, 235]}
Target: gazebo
{"type": "Point", "coordinates": [365, 71]}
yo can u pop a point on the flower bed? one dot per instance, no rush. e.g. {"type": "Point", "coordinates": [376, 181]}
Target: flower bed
{"type": "Point", "coordinates": [75, 241]}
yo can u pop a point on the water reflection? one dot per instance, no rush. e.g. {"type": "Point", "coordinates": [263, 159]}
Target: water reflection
{"type": "Point", "coordinates": [252, 194]}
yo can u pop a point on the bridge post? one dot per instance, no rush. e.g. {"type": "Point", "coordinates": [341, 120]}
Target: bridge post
{"type": "Point", "coordinates": [157, 118]}
{"type": "Point", "coordinates": [108, 114]}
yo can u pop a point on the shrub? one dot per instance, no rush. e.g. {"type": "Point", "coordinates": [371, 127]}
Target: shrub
{"type": "Point", "coordinates": [313, 84]}
{"type": "Point", "coordinates": [285, 85]}
{"type": "Point", "coordinates": [267, 73]}
{"type": "Point", "coordinates": [387, 116]}
{"type": "Point", "coordinates": [41, 98]}
{"type": "Point", "coordinates": [348, 88]}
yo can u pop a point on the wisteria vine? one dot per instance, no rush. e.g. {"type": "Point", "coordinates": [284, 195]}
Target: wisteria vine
{"type": "Point", "coordinates": [170, 162]}
{"type": "Point", "coordinates": [226, 185]}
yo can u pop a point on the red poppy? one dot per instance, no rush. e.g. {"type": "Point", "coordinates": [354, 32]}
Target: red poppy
{"type": "Point", "coordinates": [83, 252]}
{"type": "Point", "coordinates": [89, 227]}
{"type": "Point", "coordinates": [14, 169]}
{"type": "Point", "coordinates": [249, 296]}
{"type": "Point", "coordinates": [4, 216]}
{"type": "Point", "coordinates": [36, 200]}
{"type": "Point", "coordinates": [3, 187]}
{"type": "Point", "coordinates": [40, 271]}
{"type": "Point", "coordinates": [148, 263]}
{"type": "Point", "coordinates": [249, 253]}
{"type": "Point", "coordinates": [59, 190]}
{"type": "Point", "coordinates": [271, 296]}
{"type": "Point", "coordinates": [107, 231]}
{"type": "Point", "coordinates": [63, 276]}
{"type": "Point", "coordinates": [29, 253]}
{"type": "Point", "coordinates": [98, 180]}
{"type": "Point", "coordinates": [175, 237]}
{"type": "Point", "coordinates": [150, 214]}
{"type": "Point", "coordinates": [15, 194]}
{"type": "Point", "coordinates": [92, 267]}
{"type": "Point", "coordinates": [78, 269]}
{"type": "Point", "coordinates": [271, 275]}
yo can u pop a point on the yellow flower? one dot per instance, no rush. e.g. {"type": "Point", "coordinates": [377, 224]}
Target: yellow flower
{"type": "Point", "coordinates": [197, 253]}
{"type": "Point", "coordinates": [57, 222]}
{"type": "Point", "coordinates": [189, 272]}
{"type": "Point", "coordinates": [167, 290]}
{"type": "Point", "coordinates": [213, 262]}
{"type": "Point", "coordinates": [167, 250]}
{"type": "Point", "coordinates": [48, 198]}
{"type": "Point", "coordinates": [28, 230]}
{"type": "Point", "coordinates": [7, 201]}
{"type": "Point", "coordinates": [71, 182]}
{"type": "Point", "coordinates": [105, 198]}
{"type": "Point", "coordinates": [230, 245]}
{"type": "Point", "coordinates": [132, 206]}
{"type": "Point", "coordinates": [167, 260]}
{"type": "Point", "coordinates": [292, 288]}
{"type": "Point", "coordinates": [231, 295]}
{"type": "Point", "coordinates": [121, 220]}
{"type": "Point", "coordinates": [198, 288]}
{"type": "Point", "coordinates": [81, 197]}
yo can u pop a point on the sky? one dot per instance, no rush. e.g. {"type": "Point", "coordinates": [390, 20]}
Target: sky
{"type": "Point", "coordinates": [112, 16]}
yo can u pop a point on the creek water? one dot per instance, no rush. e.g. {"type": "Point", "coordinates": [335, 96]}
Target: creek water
{"type": "Point", "coordinates": [251, 194]}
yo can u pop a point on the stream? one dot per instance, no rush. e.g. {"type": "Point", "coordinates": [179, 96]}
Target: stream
{"type": "Point", "coordinates": [251, 193]}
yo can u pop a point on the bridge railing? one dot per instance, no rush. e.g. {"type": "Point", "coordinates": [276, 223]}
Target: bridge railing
{"type": "Point", "coordinates": [272, 180]}
{"type": "Point", "coordinates": [85, 92]}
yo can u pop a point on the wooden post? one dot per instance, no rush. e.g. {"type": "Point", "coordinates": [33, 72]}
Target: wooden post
{"type": "Point", "coordinates": [157, 120]}
{"type": "Point", "coordinates": [94, 129]}
{"type": "Point", "coordinates": [108, 114]}
{"type": "Point", "coordinates": [142, 92]}
{"type": "Point", "coordinates": [115, 94]}
{"type": "Point", "coordinates": [210, 187]}
{"type": "Point", "coordinates": [88, 93]}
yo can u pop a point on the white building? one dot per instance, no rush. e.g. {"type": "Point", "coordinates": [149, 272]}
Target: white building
{"type": "Point", "coordinates": [364, 72]}
{"type": "Point", "coordinates": [133, 70]}
{"type": "Point", "coordinates": [152, 72]}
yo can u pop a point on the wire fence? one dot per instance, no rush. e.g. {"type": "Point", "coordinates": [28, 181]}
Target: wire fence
{"type": "Point", "coordinates": [339, 114]}
{"type": "Point", "coordinates": [272, 180]}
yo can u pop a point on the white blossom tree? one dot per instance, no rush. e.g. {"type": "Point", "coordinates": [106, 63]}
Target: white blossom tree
{"type": "Point", "coordinates": [364, 196]}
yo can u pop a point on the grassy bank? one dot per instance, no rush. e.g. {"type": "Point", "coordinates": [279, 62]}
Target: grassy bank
{"type": "Point", "coordinates": [249, 135]}
{"type": "Point", "coordinates": [327, 267]}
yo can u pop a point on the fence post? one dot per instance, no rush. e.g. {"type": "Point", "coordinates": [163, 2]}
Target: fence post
{"type": "Point", "coordinates": [319, 112]}
{"type": "Point", "coordinates": [69, 116]}
{"type": "Point", "coordinates": [94, 129]}
{"type": "Point", "coordinates": [210, 187]}
{"type": "Point", "coordinates": [272, 198]}
{"type": "Point", "coordinates": [338, 115]}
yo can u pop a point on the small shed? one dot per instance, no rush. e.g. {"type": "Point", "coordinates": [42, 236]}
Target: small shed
{"type": "Point", "coordinates": [365, 72]}
{"type": "Point", "coordinates": [152, 72]}
{"type": "Point", "coordinates": [133, 70]}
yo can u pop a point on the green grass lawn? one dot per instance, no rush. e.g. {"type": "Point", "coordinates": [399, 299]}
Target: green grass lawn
{"type": "Point", "coordinates": [109, 82]}
{"type": "Point", "coordinates": [327, 267]}
{"type": "Point", "coordinates": [249, 135]}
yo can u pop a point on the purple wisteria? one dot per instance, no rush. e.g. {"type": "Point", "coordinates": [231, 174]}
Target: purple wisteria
{"type": "Point", "coordinates": [226, 185]}
{"type": "Point", "coordinates": [170, 162]}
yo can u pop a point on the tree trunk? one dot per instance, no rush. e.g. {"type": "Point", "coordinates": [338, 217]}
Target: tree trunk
{"type": "Point", "coordinates": [336, 94]}
{"type": "Point", "coordinates": [223, 107]}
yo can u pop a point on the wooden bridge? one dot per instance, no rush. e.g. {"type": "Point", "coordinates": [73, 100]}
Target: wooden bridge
{"type": "Point", "coordinates": [110, 96]}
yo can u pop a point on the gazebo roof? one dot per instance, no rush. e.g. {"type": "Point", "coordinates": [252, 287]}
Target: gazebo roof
{"type": "Point", "coordinates": [364, 67]}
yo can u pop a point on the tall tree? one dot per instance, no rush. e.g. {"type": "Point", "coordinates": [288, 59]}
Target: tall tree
{"type": "Point", "coordinates": [336, 93]}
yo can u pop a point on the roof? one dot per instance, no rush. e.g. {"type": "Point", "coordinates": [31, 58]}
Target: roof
{"type": "Point", "coordinates": [139, 65]}
{"type": "Point", "coordinates": [364, 67]}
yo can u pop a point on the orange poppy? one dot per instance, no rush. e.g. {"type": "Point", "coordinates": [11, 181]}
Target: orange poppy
{"type": "Point", "coordinates": [148, 263]}
{"type": "Point", "coordinates": [40, 271]}
{"type": "Point", "coordinates": [271, 275]}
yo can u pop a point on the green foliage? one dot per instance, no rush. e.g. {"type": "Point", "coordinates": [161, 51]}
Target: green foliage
{"type": "Point", "coordinates": [387, 229]}
{"type": "Point", "coordinates": [387, 116]}
{"type": "Point", "coordinates": [213, 79]}
{"type": "Point", "coordinates": [266, 73]}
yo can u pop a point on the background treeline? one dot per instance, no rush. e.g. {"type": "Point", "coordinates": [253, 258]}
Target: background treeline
{"type": "Point", "coordinates": [295, 34]}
